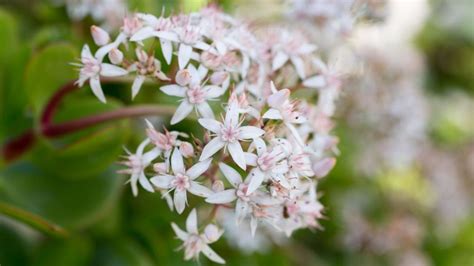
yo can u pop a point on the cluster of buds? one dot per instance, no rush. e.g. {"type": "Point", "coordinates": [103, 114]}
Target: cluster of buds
{"type": "Point", "coordinates": [262, 152]}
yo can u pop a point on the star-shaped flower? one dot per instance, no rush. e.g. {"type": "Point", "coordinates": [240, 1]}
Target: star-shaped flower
{"type": "Point", "coordinates": [227, 136]}
{"type": "Point", "coordinates": [182, 180]}
{"type": "Point", "coordinates": [195, 243]}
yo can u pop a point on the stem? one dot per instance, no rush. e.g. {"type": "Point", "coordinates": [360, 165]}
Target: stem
{"type": "Point", "coordinates": [21, 144]}
{"type": "Point", "coordinates": [33, 220]}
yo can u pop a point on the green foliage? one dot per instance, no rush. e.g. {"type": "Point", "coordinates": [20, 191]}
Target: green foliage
{"type": "Point", "coordinates": [48, 70]}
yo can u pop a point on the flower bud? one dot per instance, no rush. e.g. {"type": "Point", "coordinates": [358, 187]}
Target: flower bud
{"type": "Point", "coordinates": [212, 233]}
{"type": "Point", "coordinates": [217, 78]}
{"type": "Point", "coordinates": [160, 168]}
{"type": "Point", "coordinates": [322, 167]}
{"type": "Point", "coordinates": [186, 149]}
{"type": "Point", "coordinates": [183, 77]}
{"type": "Point", "coordinates": [218, 186]}
{"type": "Point", "coordinates": [100, 36]}
{"type": "Point", "coordinates": [115, 56]}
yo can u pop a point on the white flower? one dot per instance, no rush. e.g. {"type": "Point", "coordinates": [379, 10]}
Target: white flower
{"type": "Point", "coordinates": [195, 243]}
{"type": "Point", "coordinates": [238, 192]}
{"type": "Point", "coordinates": [146, 65]}
{"type": "Point", "coordinates": [228, 134]}
{"type": "Point", "coordinates": [137, 163]}
{"type": "Point", "coordinates": [281, 108]}
{"type": "Point", "coordinates": [195, 96]}
{"type": "Point", "coordinates": [92, 69]}
{"type": "Point", "coordinates": [183, 180]}
{"type": "Point", "coordinates": [268, 164]}
{"type": "Point", "coordinates": [155, 27]}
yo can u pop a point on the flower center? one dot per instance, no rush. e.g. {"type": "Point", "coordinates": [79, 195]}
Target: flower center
{"type": "Point", "coordinates": [242, 192]}
{"type": "Point", "coordinates": [229, 134]}
{"type": "Point", "coordinates": [196, 94]}
{"type": "Point", "coordinates": [189, 35]}
{"type": "Point", "coordinates": [266, 161]}
{"type": "Point", "coordinates": [193, 246]}
{"type": "Point", "coordinates": [181, 182]}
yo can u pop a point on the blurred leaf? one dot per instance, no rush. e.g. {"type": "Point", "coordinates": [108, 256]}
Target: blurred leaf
{"type": "Point", "coordinates": [72, 251]}
{"type": "Point", "coordinates": [13, 248]}
{"type": "Point", "coordinates": [118, 252]}
{"type": "Point", "coordinates": [48, 70]}
{"type": "Point", "coordinates": [87, 152]}
{"type": "Point", "coordinates": [65, 202]}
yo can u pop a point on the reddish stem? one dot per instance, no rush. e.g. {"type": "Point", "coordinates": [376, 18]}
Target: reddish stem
{"type": "Point", "coordinates": [21, 144]}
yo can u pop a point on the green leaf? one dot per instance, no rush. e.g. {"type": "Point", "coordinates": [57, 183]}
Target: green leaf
{"type": "Point", "coordinates": [13, 247]}
{"type": "Point", "coordinates": [120, 252]}
{"type": "Point", "coordinates": [48, 70]}
{"type": "Point", "coordinates": [73, 251]}
{"type": "Point", "coordinates": [87, 152]}
{"type": "Point", "coordinates": [68, 203]}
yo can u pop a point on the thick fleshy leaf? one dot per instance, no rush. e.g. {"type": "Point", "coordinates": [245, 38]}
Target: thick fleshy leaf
{"type": "Point", "coordinates": [69, 203]}
{"type": "Point", "coordinates": [48, 70]}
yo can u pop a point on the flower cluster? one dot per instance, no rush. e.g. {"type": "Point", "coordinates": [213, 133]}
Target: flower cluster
{"type": "Point", "coordinates": [261, 152]}
{"type": "Point", "coordinates": [107, 12]}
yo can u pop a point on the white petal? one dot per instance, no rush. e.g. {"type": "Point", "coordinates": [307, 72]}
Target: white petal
{"type": "Point", "coordinates": [180, 200]}
{"type": "Point", "coordinates": [174, 90]}
{"type": "Point", "coordinates": [104, 50]}
{"type": "Point", "coordinates": [133, 184]}
{"type": "Point", "coordinates": [214, 91]}
{"type": "Point", "coordinates": [211, 148]}
{"type": "Point", "coordinates": [142, 146]}
{"type": "Point", "coordinates": [299, 66]}
{"type": "Point", "coordinates": [232, 115]}
{"type": "Point", "coordinates": [222, 197]}
{"type": "Point", "coordinates": [253, 225]}
{"type": "Point", "coordinates": [212, 255]}
{"type": "Point", "coordinates": [251, 159]}
{"type": "Point", "coordinates": [307, 48]}
{"type": "Point", "coordinates": [199, 190]}
{"type": "Point", "coordinates": [279, 60]}
{"type": "Point", "coordinates": [205, 110]}
{"type": "Point", "coordinates": [162, 181]}
{"type": "Point", "coordinates": [137, 84]}
{"type": "Point", "coordinates": [167, 50]}
{"type": "Point", "coordinates": [295, 134]}
{"type": "Point", "coordinates": [276, 100]}
{"type": "Point", "coordinates": [221, 47]}
{"type": "Point", "coordinates": [177, 163]}
{"type": "Point", "coordinates": [86, 52]}
{"type": "Point", "coordinates": [94, 82]}
{"type": "Point", "coordinates": [184, 54]}
{"type": "Point", "coordinates": [322, 167]}
{"type": "Point", "coordinates": [230, 174]}
{"type": "Point", "coordinates": [145, 183]}
{"type": "Point", "coordinates": [237, 154]}
{"type": "Point", "coordinates": [202, 46]}
{"type": "Point", "coordinates": [272, 114]}
{"type": "Point", "coordinates": [191, 222]}
{"type": "Point", "coordinates": [109, 70]}
{"type": "Point", "coordinates": [167, 35]}
{"type": "Point", "coordinates": [202, 71]}
{"type": "Point", "coordinates": [245, 66]}
{"type": "Point", "coordinates": [198, 169]}
{"type": "Point", "coordinates": [142, 34]}
{"type": "Point", "coordinates": [250, 132]}
{"type": "Point", "coordinates": [183, 110]}
{"type": "Point", "coordinates": [241, 210]}
{"type": "Point", "coordinates": [260, 146]}
{"type": "Point", "coordinates": [256, 179]}
{"type": "Point", "coordinates": [210, 124]}
{"type": "Point", "coordinates": [315, 82]}
{"type": "Point", "coordinates": [179, 233]}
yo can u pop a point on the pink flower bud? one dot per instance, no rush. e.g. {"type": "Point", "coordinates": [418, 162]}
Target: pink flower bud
{"type": "Point", "coordinates": [115, 56]}
{"type": "Point", "coordinates": [183, 77]}
{"type": "Point", "coordinates": [186, 149]}
{"type": "Point", "coordinates": [160, 168]}
{"type": "Point", "coordinates": [217, 186]}
{"type": "Point", "coordinates": [322, 167]}
{"type": "Point", "coordinates": [100, 36]}
{"type": "Point", "coordinates": [212, 233]}
{"type": "Point", "coordinates": [217, 78]}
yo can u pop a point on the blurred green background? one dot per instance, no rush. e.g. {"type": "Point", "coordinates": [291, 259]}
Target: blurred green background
{"type": "Point", "coordinates": [63, 203]}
